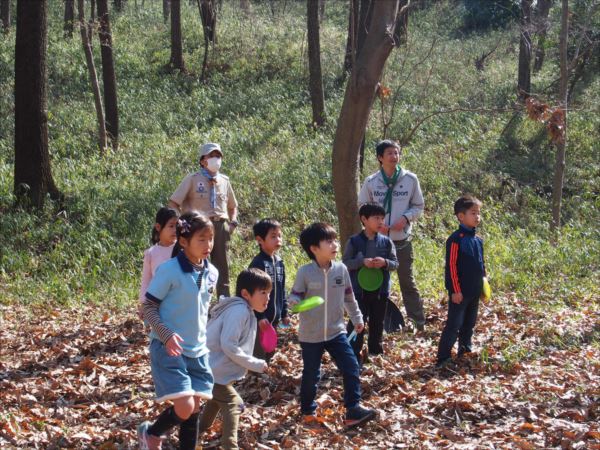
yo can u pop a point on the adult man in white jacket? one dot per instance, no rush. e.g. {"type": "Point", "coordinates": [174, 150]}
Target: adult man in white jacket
{"type": "Point", "coordinates": [399, 192]}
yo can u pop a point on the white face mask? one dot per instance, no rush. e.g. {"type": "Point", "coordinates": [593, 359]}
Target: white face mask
{"type": "Point", "coordinates": [213, 164]}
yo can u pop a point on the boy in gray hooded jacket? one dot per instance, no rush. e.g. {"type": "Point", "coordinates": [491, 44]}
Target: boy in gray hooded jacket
{"type": "Point", "coordinates": [323, 328]}
{"type": "Point", "coordinates": [230, 336]}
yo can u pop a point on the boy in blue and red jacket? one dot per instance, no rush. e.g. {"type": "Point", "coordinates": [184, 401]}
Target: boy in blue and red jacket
{"type": "Point", "coordinates": [465, 271]}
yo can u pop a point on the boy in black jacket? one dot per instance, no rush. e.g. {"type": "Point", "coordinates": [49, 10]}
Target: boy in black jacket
{"type": "Point", "coordinates": [267, 233]}
{"type": "Point", "coordinates": [465, 271]}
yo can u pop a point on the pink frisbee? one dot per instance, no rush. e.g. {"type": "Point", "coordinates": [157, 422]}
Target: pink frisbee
{"type": "Point", "coordinates": [268, 338]}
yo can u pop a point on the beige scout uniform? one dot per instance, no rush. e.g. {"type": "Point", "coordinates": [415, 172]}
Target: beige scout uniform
{"type": "Point", "coordinates": [194, 194]}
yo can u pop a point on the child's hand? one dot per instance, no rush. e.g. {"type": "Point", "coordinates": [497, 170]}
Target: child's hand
{"type": "Point", "coordinates": [285, 320]}
{"type": "Point", "coordinates": [368, 262]}
{"type": "Point", "coordinates": [359, 327]}
{"type": "Point", "coordinates": [379, 262]}
{"type": "Point", "coordinates": [262, 324]}
{"type": "Point", "coordinates": [269, 370]}
{"type": "Point", "coordinates": [172, 345]}
{"type": "Point", "coordinates": [457, 297]}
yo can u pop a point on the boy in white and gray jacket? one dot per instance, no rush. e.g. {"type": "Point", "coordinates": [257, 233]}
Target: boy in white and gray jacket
{"type": "Point", "coordinates": [230, 336]}
{"type": "Point", "coordinates": [323, 328]}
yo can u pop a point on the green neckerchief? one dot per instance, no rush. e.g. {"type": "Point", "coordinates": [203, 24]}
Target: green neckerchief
{"type": "Point", "coordinates": [390, 183]}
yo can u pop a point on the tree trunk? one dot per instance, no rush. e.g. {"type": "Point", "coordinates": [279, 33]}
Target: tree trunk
{"type": "Point", "coordinates": [364, 21]}
{"type": "Point", "coordinates": [33, 177]}
{"type": "Point", "coordinates": [559, 167]}
{"type": "Point", "coordinates": [401, 30]}
{"type": "Point", "coordinates": [208, 16]}
{"type": "Point", "coordinates": [314, 63]}
{"type": "Point", "coordinates": [109, 79]}
{"type": "Point", "coordinates": [542, 26]}
{"type": "Point", "coordinates": [89, 59]}
{"type": "Point", "coordinates": [524, 75]}
{"type": "Point", "coordinates": [354, 115]}
{"type": "Point", "coordinates": [5, 14]}
{"type": "Point", "coordinates": [69, 18]}
{"type": "Point", "coordinates": [351, 39]}
{"type": "Point", "coordinates": [176, 61]}
{"type": "Point", "coordinates": [92, 21]}
{"type": "Point", "coordinates": [166, 10]}
{"type": "Point", "coordinates": [118, 4]}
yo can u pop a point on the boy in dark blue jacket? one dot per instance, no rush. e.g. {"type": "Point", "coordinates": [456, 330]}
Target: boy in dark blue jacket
{"type": "Point", "coordinates": [465, 271]}
{"type": "Point", "coordinates": [371, 249]}
{"type": "Point", "coordinates": [267, 233]}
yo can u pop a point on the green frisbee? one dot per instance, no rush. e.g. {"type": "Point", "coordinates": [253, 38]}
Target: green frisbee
{"type": "Point", "coordinates": [370, 279]}
{"type": "Point", "coordinates": [307, 304]}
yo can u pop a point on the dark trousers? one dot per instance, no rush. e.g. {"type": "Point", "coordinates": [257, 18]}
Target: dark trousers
{"type": "Point", "coordinates": [372, 307]}
{"type": "Point", "coordinates": [220, 256]}
{"type": "Point", "coordinates": [410, 294]}
{"type": "Point", "coordinates": [460, 324]}
{"type": "Point", "coordinates": [344, 358]}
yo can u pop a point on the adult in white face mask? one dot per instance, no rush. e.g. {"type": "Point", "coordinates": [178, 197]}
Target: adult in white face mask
{"type": "Point", "coordinates": [209, 192]}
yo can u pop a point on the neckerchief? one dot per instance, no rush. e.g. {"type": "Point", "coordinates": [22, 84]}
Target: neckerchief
{"type": "Point", "coordinates": [212, 180]}
{"type": "Point", "coordinates": [389, 182]}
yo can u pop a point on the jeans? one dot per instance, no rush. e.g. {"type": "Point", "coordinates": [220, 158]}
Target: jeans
{"type": "Point", "coordinates": [460, 324]}
{"type": "Point", "coordinates": [372, 307]}
{"type": "Point", "coordinates": [344, 358]}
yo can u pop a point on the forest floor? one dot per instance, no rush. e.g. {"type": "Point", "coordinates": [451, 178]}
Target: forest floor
{"type": "Point", "coordinates": [81, 379]}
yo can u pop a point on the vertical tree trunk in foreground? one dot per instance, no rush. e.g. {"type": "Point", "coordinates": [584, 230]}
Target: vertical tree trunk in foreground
{"type": "Point", "coordinates": [111, 112]}
{"type": "Point", "coordinates": [314, 64]}
{"type": "Point", "coordinates": [32, 177]}
{"type": "Point", "coordinates": [358, 101]}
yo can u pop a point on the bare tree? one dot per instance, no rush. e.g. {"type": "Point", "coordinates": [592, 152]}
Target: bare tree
{"type": "Point", "coordinates": [33, 177]}
{"type": "Point", "coordinates": [561, 148]}
{"type": "Point", "coordinates": [357, 105]}
{"type": "Point", "coordinates": [176, 60]}
{"type": "Point", "coordinates": [208, 17]}
{"type": "Point", "coordinates": [69, 17]}
{"type": "Point", "coordinates": [314, 63]}
{"type": "Point", "coordinates": [542, 26]}
{"type": "Point", "coordinates": [89, 59]}
{"type": "Point", "coordinates": [109, 79]}
{"type": "Point", "coordinates": [5, 14]}
{"type": "Point", "coordinates": [524, 72]}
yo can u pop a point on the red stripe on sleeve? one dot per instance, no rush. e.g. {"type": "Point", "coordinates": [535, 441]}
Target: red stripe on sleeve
{"type": "Point", "coordinates": [454, 266]}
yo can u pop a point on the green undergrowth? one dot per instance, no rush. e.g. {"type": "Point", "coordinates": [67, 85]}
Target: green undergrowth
{"type": "Point", "coordinates": [255, 103]}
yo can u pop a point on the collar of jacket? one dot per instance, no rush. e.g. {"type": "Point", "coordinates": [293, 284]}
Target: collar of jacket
{"type": "Point", "coordinates": [467, 230]}
{"type": "Point", "coordinates": [185, 263]}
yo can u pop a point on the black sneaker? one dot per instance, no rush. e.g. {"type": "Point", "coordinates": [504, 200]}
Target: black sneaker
{"type": "Point", "coordinates": [462, 350]}
{"type": "Point", "coordinates": [443, 363]}
{"type": "Point", "coordinates": [358, 415]}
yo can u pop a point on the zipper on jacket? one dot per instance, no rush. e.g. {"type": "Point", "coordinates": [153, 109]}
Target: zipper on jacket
{"type": "Point", "coordinates": [274, 289]}
{"type": "Point", "coordinates": [325, 322]}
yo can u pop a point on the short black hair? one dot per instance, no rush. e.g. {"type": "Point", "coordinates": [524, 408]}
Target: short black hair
{"type": "Point", "coordinates": [371, 209]}
{"type": "Point", "coordinates": [262, 227]}
{"type": "Point", "coordinates": [251, 280]}
{"type": "Point", "coordinates": [314, 234]}
{"type": "Point", "coordinates": [465, 202]}
{"type": "Point", "coordinates": [382, 145]}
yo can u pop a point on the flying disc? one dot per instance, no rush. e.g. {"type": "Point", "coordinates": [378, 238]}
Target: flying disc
{"type": "Point", "coordinates": [268, 338]}
{"type": "Point", "coordinates": [307, 304]}
{"type": "Point", "coordinates": [370, 279]}
{"type": "Point", "coordinates": [486, 292]}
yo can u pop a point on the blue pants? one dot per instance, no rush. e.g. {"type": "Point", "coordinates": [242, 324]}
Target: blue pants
{"type": "Point", "coordinates": [344, 358]}
{"type": "Point", "coordinates": [460, 324]}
